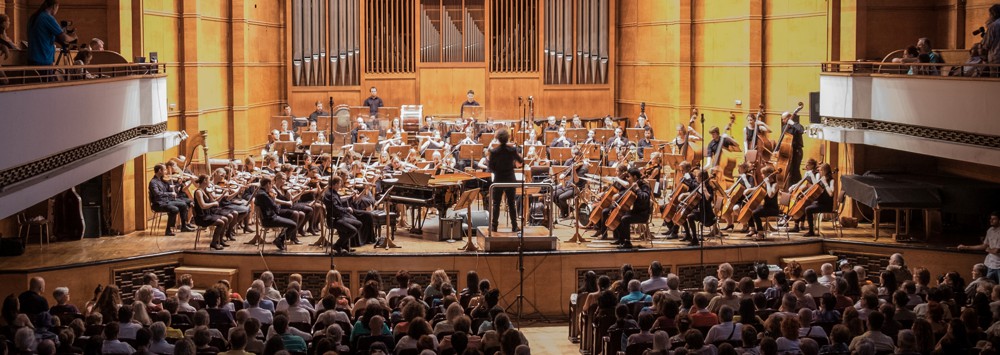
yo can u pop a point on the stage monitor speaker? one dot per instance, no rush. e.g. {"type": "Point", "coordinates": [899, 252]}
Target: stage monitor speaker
{"type": "Point", "coordinates": [91, 221]}
{"type": "Point", "coordinates": [814, 107]}
{"type": "Point", "coordinates": [91, 191]}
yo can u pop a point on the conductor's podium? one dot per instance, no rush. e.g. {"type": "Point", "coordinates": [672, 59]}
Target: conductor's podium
{"type": "Point", "coordinates": [536, 238]}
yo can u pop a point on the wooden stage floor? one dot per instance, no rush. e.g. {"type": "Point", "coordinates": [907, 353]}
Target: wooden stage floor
{"type": "Point", "coordinates": [142, 244]}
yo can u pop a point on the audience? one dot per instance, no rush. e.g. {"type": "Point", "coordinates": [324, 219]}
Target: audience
{"type": "Point", "coordinates": [725, 317]}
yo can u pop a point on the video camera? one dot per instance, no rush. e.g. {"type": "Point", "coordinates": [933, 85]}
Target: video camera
{"type": "Point", "coordinates": [981, 32]}
{"type": "Point", "coordinates": [68, 27]}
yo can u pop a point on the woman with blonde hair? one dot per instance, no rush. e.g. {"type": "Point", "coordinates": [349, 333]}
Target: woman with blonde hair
{"type": "Point", "coordinates": [140, 314]}
{"type": "Point", "coordinates": [438, 278]}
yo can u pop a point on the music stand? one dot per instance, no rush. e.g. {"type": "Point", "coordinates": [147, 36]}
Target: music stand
{"type": "Point", "coordinates": [402, 150]}
{"type": "Point", "coordinates": [284, 147]}
{"type": "Point", "coordinates": [276, 122]}
{"type": "Point", "coordinates": [308, 137]}
{"type": "Point", "coordinates": [365, 149]}
{"type": "Point", "coordinates": [370, 133]}
{"type": "Point", "coordinates": [456, 137]}
{"type": "Point", "coordinates": [471, 152]}
{"type": "Point", "coordinates": [576, 134]}
{"type": "Point", "coordinates": [429, 153]}
{"type": "Point", "coordinates": [465, 201]}
{"type": "Point", "coordinates": [476, 112]}
{"type": "Point", "coordinates": [672, 159]}
{"type": "Point", "coordinates": [634, 134]}
{"type": "Point", "coordinates": [550, 136]}
{"type": "Point", "coordinates": [324, 123]}
{"type": "Point", "coordinates": [602, 134]}
{"type": "Point", "coordinates": [319, 148]}
{"type": "Point", "coordinates": [285, 136]}
{"type": "Point", "coordinates": [593, 151]}
{"type": "Point", "coordinates": [608, 171]}
{"type": "Point", "coordinates": [486, 138]}
{"type": "Point", "coordinates": [560, 154]}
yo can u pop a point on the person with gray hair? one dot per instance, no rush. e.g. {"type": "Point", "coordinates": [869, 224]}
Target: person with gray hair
{"type": "Point", "coordinates": [158, 343]}
{"type": "Point", "coordinates": [673, 291]}
{"type": "Point", "coordinates": [265, 303]}
{"type": "Point", "coordinates": [24, 340]}
{"type": "Point", "coordinates": [269, 291]}
{"type": "Point", "coordinates": [807, 330]}
{"type": "Point", "coordinates": [827, 277]}
{"type": "Point", "coordinates": [906, 343]}
{"type": "Point", "coordinates": [61, 295]}
{"type": "Point", "coordinates": [726, 330]}
{"type": "Point", "coordinates": [979, 279]}
{"type": "Point", "coordinates": [635, 293]}
{"type": "Point", "coordinates": [727, 298]}
{"type": "Point", "coordinates": [183, 299]}
{"type": "Point", "coordinates": [711, 285]}
{"type": "Point", "coordinates": [898, 266]}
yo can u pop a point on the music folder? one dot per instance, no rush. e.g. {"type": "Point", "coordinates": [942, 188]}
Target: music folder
{"type": "Point", "coordinates": [414, 178]}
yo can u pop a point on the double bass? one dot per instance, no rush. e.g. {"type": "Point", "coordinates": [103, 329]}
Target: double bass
{"type": "Point", "coordinates": [784, 159]}
{"type": "Point", "coordinates": [729, 164]}
{"type": "Point", "coordinates": [754, 200]}
{"type": "Point", "coordinates": [691, 152]}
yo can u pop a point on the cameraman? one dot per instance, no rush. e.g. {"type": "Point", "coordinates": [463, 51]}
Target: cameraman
{"type": "Point", "coordinates": [43, 31]}
{"type": "Point", "coordinates": [991, 41]}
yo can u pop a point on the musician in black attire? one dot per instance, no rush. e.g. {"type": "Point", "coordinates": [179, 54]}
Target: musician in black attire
{"type": "Point", "coordinates": [374, 103]}
{"type": "Point", "coordinates": [639, 212]}
{"type": "Point", "coordinates": [685, 177]}
{"type": "Point", "coordinates": [503, 160]}
{"type": "Point", "coordinates": [340, 216]}
{"type": "Point", "coordinates": [619, 184]}
{"type": "Point", "coordinates": [645, 142]}
{"type": "Point", "coordinates": [769, 207]}
{"type": "Point", "coordinates": [470, 101]}
{"type": "Point", "coordinates": [269, 214]}
{"type": "Point", "coordinates": [717, 142]}
{"type": "Point", "coordinates": [319, 112]}
{"type": "Point", "coordinates": [823, 203]}
{"type": "Point", "coordinates": [568, 189]}
{"type": "Point", "coordinates": [362, 204]}
{"type": "Point", "coordinates": [703, 213]}
{"type": "Point", "coordinates": [162, 199]}
{"type": "Point", "coordinates": [791, 126]}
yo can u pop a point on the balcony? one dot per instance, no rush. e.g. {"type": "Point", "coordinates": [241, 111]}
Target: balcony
{"type": "Point", "coordinates": [942, 113]}
{"type": "Point", "coordinates": [63, 126]}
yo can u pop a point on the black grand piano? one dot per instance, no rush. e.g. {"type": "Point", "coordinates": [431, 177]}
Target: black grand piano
{"type": "Point", "coordinates": [439, 192]}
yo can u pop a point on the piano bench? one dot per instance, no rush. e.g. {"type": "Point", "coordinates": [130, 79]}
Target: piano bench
{"type": "Point", "coordinates": [380, 222]}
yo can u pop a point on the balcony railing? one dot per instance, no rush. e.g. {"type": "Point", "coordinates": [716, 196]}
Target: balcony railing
{"type": "Point", "coordinates": [915, 69]}
{"type": "Point", "coordinates": [16, 76]}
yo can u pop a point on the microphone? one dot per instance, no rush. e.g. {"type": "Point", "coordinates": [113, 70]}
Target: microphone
{"type": "Point", "coordinates": [531, 98]}
{"type": "Point", "coordinates": [703, 119]}
{"type": "Point", "coordinates": [520, 100]}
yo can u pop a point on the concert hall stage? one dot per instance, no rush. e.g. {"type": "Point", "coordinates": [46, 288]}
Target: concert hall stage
{"type": "Point", "coordinates": [550, 276]}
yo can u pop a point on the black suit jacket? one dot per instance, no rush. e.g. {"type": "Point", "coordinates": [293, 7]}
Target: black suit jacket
{"type": "Point", "coordinates": [268, 208]}
{"type": "Point", "coordinates": [159, 192]}
{"type": "Point", "coordinates": [336, 207]}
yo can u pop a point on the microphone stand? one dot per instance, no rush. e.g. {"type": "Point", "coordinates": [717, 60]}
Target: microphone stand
{"type": "Point", "coordinates": [704, 212]}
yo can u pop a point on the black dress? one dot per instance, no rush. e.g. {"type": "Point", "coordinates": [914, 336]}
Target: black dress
{"type": "Point", "coordinates": [205, 217]}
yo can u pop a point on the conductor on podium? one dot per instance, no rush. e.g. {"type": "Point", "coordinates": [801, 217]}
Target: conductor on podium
{"type": "Point", "coordinates": [503, 160]}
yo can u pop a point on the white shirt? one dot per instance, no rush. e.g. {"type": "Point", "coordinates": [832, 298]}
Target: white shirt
{"type": "Point", "coordinates": [817, 289]}
{"type": "Point", "coordinates": [263, 315]}
{"type": "Point", "coordinates": [128, 330]}
{"type": "Point", "coordinates": [116, 347]}
{"type": "Point", "coordinates": [161, 347]}
{"type": "Point", "coordinates": [992, 241]}
{"type": "Point", "coordinates": [722, 331]}
{"type": "Point", "coordinates": [185, 307]}
{"type": "Point", "coordinates": [654, 283]}
{"type": "Point", "coordinates": [827, 280]}
{"type": "Point", "coordinates": [299, 314]}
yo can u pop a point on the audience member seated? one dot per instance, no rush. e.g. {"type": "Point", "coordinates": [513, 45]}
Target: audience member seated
{"type": "Point", "coordinates": [726, 330]}
{"type": "Point", "coordinates": [158, 342]}
{"type": "Point", "coordinates": [702, 318]}
{"type": "Point", "coordinates": [727, 298]}
{"type": "Point", "coordinates": [291, 342]}
{"type": "Point", "coordinates": [254, 345]}
{"type": "Point", "coordinates": [237, 342]}
{"type": "Point", "coordinates": [635, 293]}
{"type": "Point", "coordinates": [656, 280]}
{"type": "Point", "coordinates": [295, 312]}
{"type": "Point", "coordinates": [874, 334]}
{"type": "Point", "coordinates": [111, 343]}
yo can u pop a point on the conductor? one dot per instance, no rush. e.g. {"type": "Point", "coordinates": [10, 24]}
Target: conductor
{"type": "Point", "coordinates": [503, 160]}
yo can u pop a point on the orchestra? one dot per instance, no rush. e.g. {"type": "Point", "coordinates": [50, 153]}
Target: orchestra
{"type": "Point", "coordinates": [667, 183]}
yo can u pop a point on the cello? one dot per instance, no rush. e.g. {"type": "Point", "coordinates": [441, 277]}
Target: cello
{"type": "Point", "coordinates": [624, 205]}
{"type": "Point", "coordinates": [754, 200]}
{"type": "Point", "coordinates": [784, 159]}
{"type": "Point", "coordinates": [802, 199]}
{"type": "Point", "coordinates": [690, 202]}
{"type": "Point", "coordinates": [603, 202]}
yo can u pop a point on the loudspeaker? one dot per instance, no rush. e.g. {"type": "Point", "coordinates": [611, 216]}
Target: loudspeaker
{"type": "Point", "coordinates": [91, 191]}
{"type": "Point", "coordinates": [814, 107]}
{"type": "Point", "coordinates": [92, 221]}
